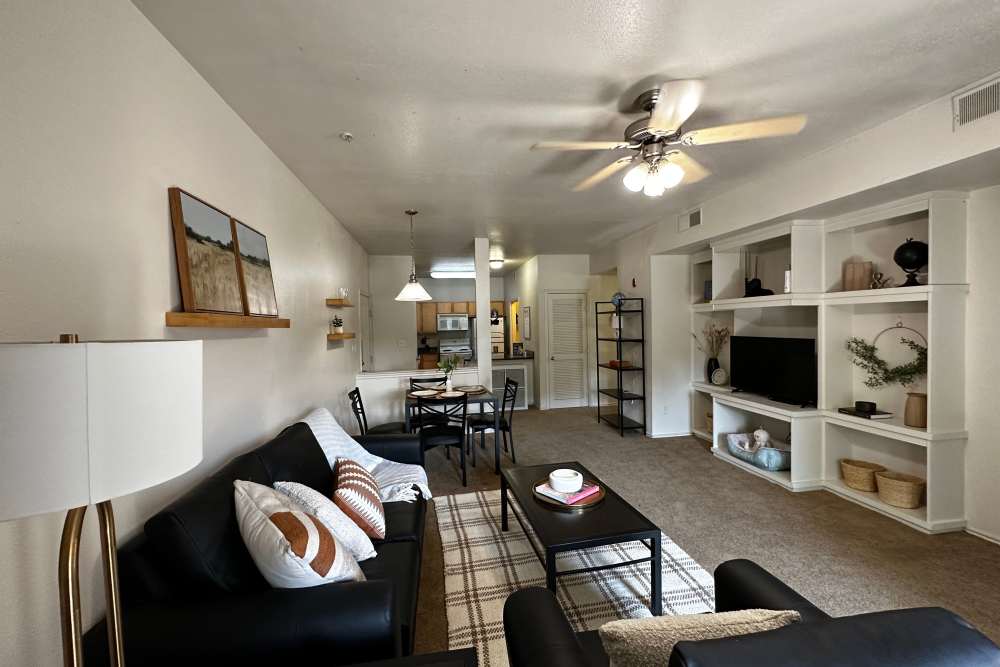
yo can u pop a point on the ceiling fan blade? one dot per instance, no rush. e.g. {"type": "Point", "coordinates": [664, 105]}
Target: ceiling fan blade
{"type": "Point", "coordinates": [755, 129]}
{"type": "Point", "coordinates": [579, 145]}
{"type": "Point", "coordinates": [694, 171]}
{"type": "Point", "coordinates": [607, 172]}
{"type": "Point", "coordinates": [677, 101]}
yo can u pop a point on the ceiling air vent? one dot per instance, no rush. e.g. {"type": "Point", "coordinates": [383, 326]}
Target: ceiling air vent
{"type": "Point", "coordinates": [977, 103]}
{"type": "Point", "coordinates": [689, 219]}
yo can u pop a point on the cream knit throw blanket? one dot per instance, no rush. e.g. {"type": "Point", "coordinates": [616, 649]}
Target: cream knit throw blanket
{"type": "Point", "coordinates": [396, 481]}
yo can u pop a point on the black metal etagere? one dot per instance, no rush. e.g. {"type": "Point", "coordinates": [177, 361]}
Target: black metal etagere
{"type": "Point", "coordinates": [629, 307]}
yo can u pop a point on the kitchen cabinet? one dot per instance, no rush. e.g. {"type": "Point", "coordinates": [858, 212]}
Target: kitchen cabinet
{"type": "Point", "coordinates": [427, 317]}
{"type": "Point", "coordinates": [471, 308]}
{"type": "Point", "coordinates": [497, 306]}
{"type": "Point", "coordinates": [459, 307]}
{"type": "Point", "coordinates": [443, 307]}
{"type": "Point", "coordinates": [428, 360]}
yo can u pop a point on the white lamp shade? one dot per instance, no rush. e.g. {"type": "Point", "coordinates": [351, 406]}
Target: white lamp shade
{"type": "Point", "coordinates": [84, 423]}
{"type": "Point", "coordinates": [413, 291]}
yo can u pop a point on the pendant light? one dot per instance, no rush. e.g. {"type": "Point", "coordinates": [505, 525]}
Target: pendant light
{"type": "Point", "coordinates": [412, 290]}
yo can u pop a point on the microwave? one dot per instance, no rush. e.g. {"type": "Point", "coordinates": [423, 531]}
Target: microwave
{"type": "Point", "coordinates": [453, 322]}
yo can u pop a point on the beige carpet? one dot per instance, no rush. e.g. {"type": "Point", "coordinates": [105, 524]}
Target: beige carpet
{"type": "Point", "coordinates": [844, 558]}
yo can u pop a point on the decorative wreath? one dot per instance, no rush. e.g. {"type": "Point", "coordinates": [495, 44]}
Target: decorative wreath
{"type": "Point", "coordinates": [880, 374]}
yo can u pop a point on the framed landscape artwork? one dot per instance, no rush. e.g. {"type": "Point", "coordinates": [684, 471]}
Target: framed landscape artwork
{"type": "Point", "coordinates": [255, 268]}
{"type": "Point", "coordinates": [222, 264]}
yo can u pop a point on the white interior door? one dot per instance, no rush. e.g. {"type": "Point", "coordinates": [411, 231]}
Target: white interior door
{"type": "Point", "coordinates": [566, 324]}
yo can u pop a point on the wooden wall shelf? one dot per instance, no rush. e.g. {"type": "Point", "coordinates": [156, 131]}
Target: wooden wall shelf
{"type": "Point", "coordinates": [224, 321]}
{"type": "Point", "coordinates": [339, 303]}
{"type": "Point", "coordinates": [343, 336]}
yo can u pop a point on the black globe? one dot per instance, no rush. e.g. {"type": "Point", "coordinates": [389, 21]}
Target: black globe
{"type": "Point", "coordinates": [911, 257]}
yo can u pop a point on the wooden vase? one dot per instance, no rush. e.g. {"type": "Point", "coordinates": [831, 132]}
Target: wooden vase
{"type": "Point", "coordinates": [915, 414]}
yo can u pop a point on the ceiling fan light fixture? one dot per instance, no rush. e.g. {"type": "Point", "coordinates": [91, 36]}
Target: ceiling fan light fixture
{"type": "Point", "coordinates": [671, 174]}
{"type": "Point", "coordinates": [496, 264]}
{"type": "Point", "coordinates": [655, 183]}
{"type": "Point", "coordinates": [636, 177]}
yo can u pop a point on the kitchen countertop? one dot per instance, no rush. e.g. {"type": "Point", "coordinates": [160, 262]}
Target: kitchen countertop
{"type": "Point", "coordinates": [529, 356]}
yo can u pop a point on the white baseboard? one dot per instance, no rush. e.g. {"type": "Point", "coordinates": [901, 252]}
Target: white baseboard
{"type": "Point", "coordinates": [679, 434]}
{"type": "Point", "coordinates": [983, 535]}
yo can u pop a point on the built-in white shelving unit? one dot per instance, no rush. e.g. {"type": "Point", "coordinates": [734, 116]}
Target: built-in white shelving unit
{"type": "Point", "coordinates": [816, 307]}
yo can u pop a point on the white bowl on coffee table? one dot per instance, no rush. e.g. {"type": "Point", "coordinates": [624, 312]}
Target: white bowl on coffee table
{"type": "Point", "coordinates": [565, 480]}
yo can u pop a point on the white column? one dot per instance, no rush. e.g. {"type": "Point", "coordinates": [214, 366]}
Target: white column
{"type": "Point", "coordinates": [484, 356]}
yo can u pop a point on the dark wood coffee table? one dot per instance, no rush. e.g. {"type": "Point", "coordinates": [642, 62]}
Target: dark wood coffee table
{"type": "Point", "coordinates": [612, 522]}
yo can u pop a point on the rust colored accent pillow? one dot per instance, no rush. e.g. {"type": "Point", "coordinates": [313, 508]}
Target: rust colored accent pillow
{"type": "Point", "coordinates": [355, 492]}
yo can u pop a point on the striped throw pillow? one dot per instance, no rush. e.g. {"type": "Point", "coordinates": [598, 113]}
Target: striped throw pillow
{"type": "Point", "coordinates": [355, 492]}
{"type": "Point", "coordinates": [291, 548]}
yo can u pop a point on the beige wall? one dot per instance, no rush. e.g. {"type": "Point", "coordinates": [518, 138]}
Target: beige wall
{"type": "Point", "coordinates": [99, 115]}
{"type": "Point", "coordinates": [394, 323]}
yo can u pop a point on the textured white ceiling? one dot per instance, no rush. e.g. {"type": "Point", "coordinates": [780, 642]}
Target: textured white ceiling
{"type": "Point", "coordinates": [444, 98]}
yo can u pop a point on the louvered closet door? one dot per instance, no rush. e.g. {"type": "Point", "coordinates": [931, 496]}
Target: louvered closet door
{"type": "Point", "coordinates": [566, 324]}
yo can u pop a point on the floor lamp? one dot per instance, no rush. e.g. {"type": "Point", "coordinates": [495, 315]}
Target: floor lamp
{"type": "Point", "coordinates": [82, 423]}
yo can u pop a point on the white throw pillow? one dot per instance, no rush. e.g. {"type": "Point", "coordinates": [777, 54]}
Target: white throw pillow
{"type": "Point", "coordinates": [292, 549]}
{"type": "Point", "coordinates": [343, 528]}
{"type": "Point", "coordinates": [647, 642]}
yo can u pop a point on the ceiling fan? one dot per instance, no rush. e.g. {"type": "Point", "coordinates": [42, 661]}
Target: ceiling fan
{"type": "Point", "coordinates": [652, 140]}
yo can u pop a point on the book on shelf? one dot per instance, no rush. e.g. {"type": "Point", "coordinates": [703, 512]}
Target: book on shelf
{"type": "Point", "coordinates": [878, 414]}
{"type": "Point", "coordinates": [568, 498]}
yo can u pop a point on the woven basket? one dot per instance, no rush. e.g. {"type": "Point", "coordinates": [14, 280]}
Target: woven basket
{"type": "Point", "coordinates": [709, 422]}
{"type": "Point", "coordinates": [899, 490]}
{"type": "Point", "coordinates": [860, 475]}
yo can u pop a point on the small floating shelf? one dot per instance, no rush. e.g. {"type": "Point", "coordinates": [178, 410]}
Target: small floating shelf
{"type": "Point", "coordinates": [339, 303]}
{"type": "Point", "coordinates": [336, 337]}
{"type": "Point", "coordinates": [224, 321]}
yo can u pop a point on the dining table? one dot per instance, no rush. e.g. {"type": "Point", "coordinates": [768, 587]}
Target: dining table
{"type": "Point", "coordinates": [482, 399]}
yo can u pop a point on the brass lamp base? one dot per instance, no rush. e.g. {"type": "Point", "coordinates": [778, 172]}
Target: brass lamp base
{"type": "Point", "coordinates": [69, 585]}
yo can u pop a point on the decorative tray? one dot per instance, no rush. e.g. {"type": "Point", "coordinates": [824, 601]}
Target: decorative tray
{"type": "Point", "coordinates": [587, 503]}
{"type": "Point", "coordinates": [472, 389]}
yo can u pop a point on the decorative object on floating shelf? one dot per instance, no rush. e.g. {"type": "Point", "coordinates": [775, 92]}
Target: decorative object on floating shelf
{"type": "Point", "coordinates": [344, 293]}
{"type": "Point", "coordinates": [255, 271]}
{"type": "Point", "coordinates": [753, 286]}
{"type": "Point", "coordinates": [719, 377]}
{"type": "Point", "coordinates": [880, 374]}
{"type": "Point", "coordinates": [880, 281]}
{"type": "Point", "coordinates": [447, 365]}
{"type": "Point", "coordinates": [337, 325]}
{"type": "Point", "coordinates": [911, 257]}
{"type": "Point", "coordinates": [715, 338]}
{"type": "Point", "coordinates": [856, 276]}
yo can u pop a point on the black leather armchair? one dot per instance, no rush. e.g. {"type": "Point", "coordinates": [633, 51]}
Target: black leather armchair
{"type": "Point", "coordinates": [191, 594]}
{"type": "Point", "coordinates": [538, 634]}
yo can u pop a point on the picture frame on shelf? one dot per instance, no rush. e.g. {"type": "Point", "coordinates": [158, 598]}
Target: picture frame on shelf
{"type": "Point", "coordinates": [207, 264]}
{"type": "Point", "coordinates": [255, 271]}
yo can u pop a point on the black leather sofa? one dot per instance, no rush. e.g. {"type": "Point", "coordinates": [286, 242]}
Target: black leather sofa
{"type": "Point", "coordinates": [191, 594]}
{"type": "Point", "coordinates": [538, 634]}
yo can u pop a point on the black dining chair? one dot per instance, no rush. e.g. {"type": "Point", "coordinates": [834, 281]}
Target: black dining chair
{"type": "Point", "coordinates": [418, 421]}
{"type": "Point", "coordinates": [451, 432]}
{"type": "Point", "coordinates": [358, 408]}
{"type": "Point", "coordinates": [480, 423]}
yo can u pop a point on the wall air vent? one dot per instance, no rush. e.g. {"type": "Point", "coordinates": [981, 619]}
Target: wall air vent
{"type": "Point", "coordinates": [689, 220]}
{"type": "Point", "coordinates": [979, 102]}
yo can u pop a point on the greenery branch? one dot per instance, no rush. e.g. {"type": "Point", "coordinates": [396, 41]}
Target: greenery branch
{"type": "Point", "coordinates": [880, 374]}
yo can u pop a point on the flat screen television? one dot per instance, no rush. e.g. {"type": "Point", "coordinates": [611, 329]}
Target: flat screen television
{"type": "Point", "coordinates": [782, 369]}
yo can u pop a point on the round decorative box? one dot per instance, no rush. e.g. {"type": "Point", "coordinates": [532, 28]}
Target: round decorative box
{"type": "Point", "coordinates": [565, 480]}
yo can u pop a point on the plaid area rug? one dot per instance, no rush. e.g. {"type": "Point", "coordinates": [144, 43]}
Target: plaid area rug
{"type": "Point", "coordinates": [483, 565]}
